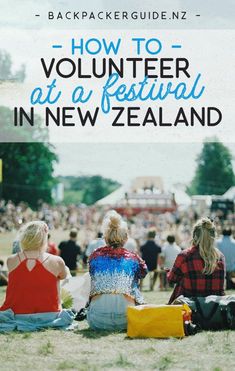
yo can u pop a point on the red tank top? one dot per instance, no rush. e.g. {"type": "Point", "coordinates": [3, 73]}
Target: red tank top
{"type": "Point", "coordinates": [31, 291]}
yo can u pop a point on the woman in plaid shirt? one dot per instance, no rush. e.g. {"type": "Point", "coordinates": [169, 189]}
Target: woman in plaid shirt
{"type": "Point", "coordinates": [199, 270]}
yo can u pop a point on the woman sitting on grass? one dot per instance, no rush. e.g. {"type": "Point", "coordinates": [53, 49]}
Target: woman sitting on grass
{"type": "Point", "coordinates": [32, 297]}
{"type": "Point", "coordinates": [199, 270]}
{"type": "Point", "coordinates": [115, 274]}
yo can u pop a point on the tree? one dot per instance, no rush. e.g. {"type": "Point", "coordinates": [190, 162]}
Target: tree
{"type": "Point", "coordinates": [27, 172]}
{"type": "Point", "coordinates": [214, 173]}
{"type": "Point", "coordinates": [95, 191]}
{"type": "Point", "coordinates": [27, 165]}
{"type": "Point", "coordinates": [87, 189]}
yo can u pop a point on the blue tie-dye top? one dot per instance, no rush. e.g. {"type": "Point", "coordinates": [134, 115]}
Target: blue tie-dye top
{"type": "Point", "coordinates": [116, 271]}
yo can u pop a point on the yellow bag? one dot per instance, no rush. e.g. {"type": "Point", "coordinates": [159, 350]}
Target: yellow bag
{"type": "Point", "coordinates": [156, 321]}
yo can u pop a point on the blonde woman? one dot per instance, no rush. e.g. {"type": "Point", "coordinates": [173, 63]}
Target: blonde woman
{"type": "Point", "coordinates": [199, 270]}
{"type": "Point", "coordinates": [32, 298]}
{"type": "Point", "coordinates": [115, 273]}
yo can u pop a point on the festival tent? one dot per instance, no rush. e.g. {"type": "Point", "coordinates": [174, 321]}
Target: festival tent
{"type": "Point", "coordinates": [114, 198]}
{"type": "Point", "coordinates": [182, 198]}
{"type": "Point", "coordinates": [230, 194]}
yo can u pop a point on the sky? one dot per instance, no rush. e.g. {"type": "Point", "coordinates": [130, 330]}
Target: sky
{"type": "Point", "coordinates": [174, 162]}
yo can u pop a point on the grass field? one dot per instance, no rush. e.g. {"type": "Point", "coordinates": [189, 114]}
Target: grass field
{"type": "Point", "coordinates": [87, 350]}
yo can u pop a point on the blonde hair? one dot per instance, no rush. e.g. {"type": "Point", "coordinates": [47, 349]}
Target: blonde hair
{"type": "Point", "coordinates": [115, 229]}
{"type": "Point", "coordinates": [204, 237]}
{"type": "Point", "coordinates": [33, 235]}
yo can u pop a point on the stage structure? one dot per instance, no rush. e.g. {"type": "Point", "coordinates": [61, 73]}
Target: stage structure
{"type": "Point", "coordinates": [143, 194]}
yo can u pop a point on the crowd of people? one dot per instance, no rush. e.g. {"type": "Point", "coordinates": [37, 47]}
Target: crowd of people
{"type": "Point", "coordinates": [59, 216]}
{"type": "Point", "coordinates": [184, 253]}
{"type": "Point", "coordinates": [87, 220]}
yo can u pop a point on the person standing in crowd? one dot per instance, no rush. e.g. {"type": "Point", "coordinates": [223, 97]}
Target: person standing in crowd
{"type": "Point", "coordinates": [199, 270]}
{"type": "Point", "coordinates": [95, 244]}
{"type": "Point", "coordinates": [70, 251]}
{"type": "Point", "coordinates": [150, 252]}
{"type": "Point", "coordinates": [32, 298]}
{"type": "Point", "coordinates": [170, 250]}
{"type": "Point", "coordinates": [226, 245]}
{"type": "Point", "coordinates": [115, 273]}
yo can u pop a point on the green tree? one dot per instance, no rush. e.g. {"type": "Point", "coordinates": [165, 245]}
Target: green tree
{"type": "Point", "coordinates": [95, 191]}
{"type": "Point", "coordinates": [87, 189]}
{"type": "Point", "coordinates": [27, 165]}
{"type": "Point", "coordinates": [27, 172]}
{"type": "Point", "coordinates": [214, 173]}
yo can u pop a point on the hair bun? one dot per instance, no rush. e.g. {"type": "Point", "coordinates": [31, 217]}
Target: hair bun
{"type": "Point", "coordinates": [207, 223]}
{"type": "Point", "coordinates": [115, 229]}
{"type": "Point", "coordinates": [114, 221]}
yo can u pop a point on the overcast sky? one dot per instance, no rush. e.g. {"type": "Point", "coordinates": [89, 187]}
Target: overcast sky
{"type": "Point", "coordinates": [173, 162]}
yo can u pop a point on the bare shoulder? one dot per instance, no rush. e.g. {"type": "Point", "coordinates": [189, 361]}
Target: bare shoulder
{"type": "Point", "coordinates": [51, 257]}
{"type": "Point", "coordinates": [60, 262]}
{"type": "Point", "coordinates": [55, 260]}
{"type": "Point", "coordinates": [60, 267]}
{"type": "Point", "coordinates": [55, 264]}
{"type": "Point", "coordinates": [12, 262]}
{"type": "Point", "coordinates": [60, 259]}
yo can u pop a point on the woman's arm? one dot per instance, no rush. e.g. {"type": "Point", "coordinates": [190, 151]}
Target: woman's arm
{"type": "Point", "coordinates": [12, 262]}
{"type": "Point", "coordinates": [223, 267]}
{"type": "Point", "coordinates": [175, 274]}
{"type": "Point", "coordinates": [62, 269]}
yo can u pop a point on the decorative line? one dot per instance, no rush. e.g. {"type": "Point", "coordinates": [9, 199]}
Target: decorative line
{"type": "Point", "coordinates": [57, 46]}
{"type": "Point", "coordinates": [176, 46]}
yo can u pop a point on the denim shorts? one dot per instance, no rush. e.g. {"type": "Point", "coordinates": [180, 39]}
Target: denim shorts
{"type": "Point", "coordinates": [108, 312]}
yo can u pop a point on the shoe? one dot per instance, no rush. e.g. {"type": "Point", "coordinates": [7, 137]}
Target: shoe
{"type": "Point", "coordinates": [81, 315]}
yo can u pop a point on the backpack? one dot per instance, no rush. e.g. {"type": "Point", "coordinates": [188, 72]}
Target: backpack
{"type": "Point", "coordinates": [211, 312]}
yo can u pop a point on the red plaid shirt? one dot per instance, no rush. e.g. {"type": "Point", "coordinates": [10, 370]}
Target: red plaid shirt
{"type": "Point", "coordinates": [189, 279]}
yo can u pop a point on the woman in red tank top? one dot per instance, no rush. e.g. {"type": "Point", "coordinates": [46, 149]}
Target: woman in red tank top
{"type": "Point", "coordinates": [34, 275]}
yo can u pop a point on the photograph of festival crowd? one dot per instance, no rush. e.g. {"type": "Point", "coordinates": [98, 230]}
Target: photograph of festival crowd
{"type": "Point", "coordinates": [115, 242]}
{"type": "Point", "coordinates": [81, 248]}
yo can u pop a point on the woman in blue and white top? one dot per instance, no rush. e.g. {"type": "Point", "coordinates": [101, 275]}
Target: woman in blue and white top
{"type": "Point", "coordinates": [115, 273]}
